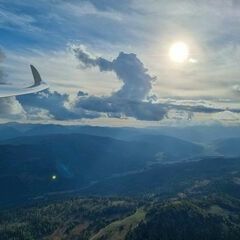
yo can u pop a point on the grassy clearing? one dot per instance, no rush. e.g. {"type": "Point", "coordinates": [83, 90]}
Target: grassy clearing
{"type": "Point", "coordinates": [118, 230]}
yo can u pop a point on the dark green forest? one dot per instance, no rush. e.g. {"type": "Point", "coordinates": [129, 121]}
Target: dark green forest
{"type": "Point", "coordinates": [151, 218]}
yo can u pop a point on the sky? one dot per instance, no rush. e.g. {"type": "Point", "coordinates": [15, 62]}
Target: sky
{"type": "Point", "coordinates": [107, 61]}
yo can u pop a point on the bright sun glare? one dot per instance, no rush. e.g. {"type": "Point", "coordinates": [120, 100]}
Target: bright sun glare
{"type": "Point", "coordinates": [179, 52]}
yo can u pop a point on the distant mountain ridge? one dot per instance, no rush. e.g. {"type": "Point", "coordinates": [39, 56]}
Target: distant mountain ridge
{"type": "Point", "coordinates": [101, 160]}
{"type": "Point", "coordinates": [79, 159]}
{"type": "Point", "coordinates": [200, 134]}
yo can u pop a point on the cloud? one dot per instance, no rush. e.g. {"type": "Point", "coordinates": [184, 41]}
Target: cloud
{"type": "Point", "coordinates": [16, 21]}
{"type": "Point", "coordinates": [130, 99]}
{"type": "Point", "coordinates": [120, 108]}
{"type": "Point", "coordinates": [55, 105]}
{"type": "Point", "coordinates": [236, 88]}
{"type": "Point", "coordinates": [10, 108]}
{"type": "Point", "coordinates": [197, 108]}
{"type": "Point", "coordinates": [137, 83]}
{"type": "Point", "coordinates": [103, 5]}
{"type": "Point", "coordinates": [111, 4]}
{"type": "Point", "coordinates": [52, 23]}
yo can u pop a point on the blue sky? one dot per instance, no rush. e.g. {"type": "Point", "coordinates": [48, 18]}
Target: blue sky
{"type": "Point", "coordinates": [70, 40]}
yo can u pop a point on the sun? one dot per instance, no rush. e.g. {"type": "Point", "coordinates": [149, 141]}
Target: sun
{"type": "Point", "coordinates": [179, 52]}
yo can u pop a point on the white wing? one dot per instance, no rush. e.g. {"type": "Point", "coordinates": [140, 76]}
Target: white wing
{"type": "Point", "coordinates": [39, 85]}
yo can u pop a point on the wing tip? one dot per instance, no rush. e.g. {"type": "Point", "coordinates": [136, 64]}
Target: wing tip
{"type": "Point", "coordinates": [36, 76]}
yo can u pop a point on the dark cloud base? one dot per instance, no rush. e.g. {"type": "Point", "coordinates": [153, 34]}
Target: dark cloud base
{"type": "Point", "coordinates": [55, 104]}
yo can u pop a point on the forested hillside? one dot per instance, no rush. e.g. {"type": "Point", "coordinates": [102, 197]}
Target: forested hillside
{"type": "Point", "coordinates": [208, 217]}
